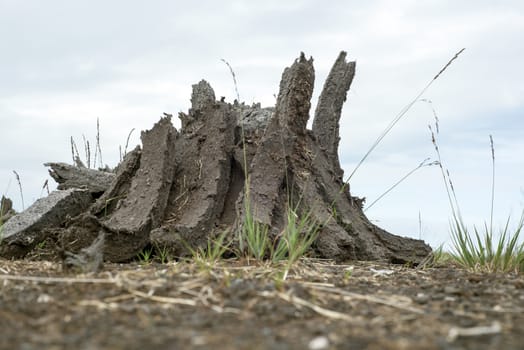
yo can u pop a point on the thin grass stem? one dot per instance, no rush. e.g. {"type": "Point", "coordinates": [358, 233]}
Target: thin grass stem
{"type": "Point", "coordinates": [423, 164]}
{"type": "Point", "coordinates": [98, 149]}
{"type": "Point", "coordinates": [234, 78]}
{"type": "Point", "coordinates": [401, 114]}
{"type": "Point", "coordinates": [20, 188]}
{"type": "Point", "coordinates": [492, 182]}
{"type": "Point", "coordinates": [127, 141]}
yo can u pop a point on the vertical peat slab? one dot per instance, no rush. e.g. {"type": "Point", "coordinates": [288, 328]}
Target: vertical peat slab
{"type": "Point", "coordinates": [204, 155]}
{"type": "Point", "coordinates": [143, 208]}
{"type": "Point", "coordinates": [326, 124]}
{"type": "Point", "coordinates": [119, 188]}
{"type": "Point", "coordinates": [268, 169]}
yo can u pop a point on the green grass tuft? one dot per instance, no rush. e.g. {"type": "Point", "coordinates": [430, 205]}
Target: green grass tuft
{"type": "Point", "coordinates": [253, 236]}
{"type": "Point", "coordinates": [162, 254]}
{"type": "Point", "coordinates": [299, 234]}
{"type": "Point", "coordinates": [214, 250]}
{"type": "Point", "coordinates": [480, 251]}
{"type": "Point", "coordinates": [145, 256]}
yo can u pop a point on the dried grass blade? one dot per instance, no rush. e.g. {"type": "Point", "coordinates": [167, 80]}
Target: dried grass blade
{"type": "Point", "coordinates": [318, 309]}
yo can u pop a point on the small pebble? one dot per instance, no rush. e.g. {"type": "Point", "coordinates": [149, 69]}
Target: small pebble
{"type": "Point", "coordinates": [452, 290]}
{"type": "Point", "coordinates": [421, 298]}
{"type": "Point", "coordinates": [44, 298]}
{"type": "Point", "coordinates": [319, 343]}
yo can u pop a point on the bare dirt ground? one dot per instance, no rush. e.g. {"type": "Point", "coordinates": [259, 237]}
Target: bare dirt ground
{"type": "Point", "coordinates": [241, 305]}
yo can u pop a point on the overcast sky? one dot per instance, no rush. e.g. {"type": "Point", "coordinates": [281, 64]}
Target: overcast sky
{"type": "Point", "coordinates": [63, 64]}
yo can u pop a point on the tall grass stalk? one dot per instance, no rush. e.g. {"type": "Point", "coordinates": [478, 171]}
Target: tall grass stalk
{"type": "Point", "coordinates": [98, 149]}
{"type": "Point", "coordinates": [234, 78]}
{"type": "Point", "coordinates": [74, 152]}
{"type": "Point", "coordinates": [492, 182]}
{"type": "Point", "coordinates": [401, 114]}
{"type": "Point", "coordinates": [425, 163]}
{"type": "Point", "coordinates": [19, 182]}
{"type": "Point", "coordinates": [87, 150]}
{"type": "Point", "coordinates": [122, 155]}
{"type": "Point", "coordinates": [446, 179]}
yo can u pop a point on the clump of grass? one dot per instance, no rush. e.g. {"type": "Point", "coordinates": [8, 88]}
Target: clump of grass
{"type": "Point", "coordinates": [253, 235]}
{"type": "Point", "coordinates": [481, 251]}
{"type": "Point", "coordinates": [441, 257]}
{"type": "Point", "coordinates": [214, 250]}
{"type": "Point", "coordinates": [162, 254]}
{"type": "Point", "coordinates": [206, 257]}
{"type": "Point", "coordinates": [437, 258]}
{"type": "Point", "coordinates": [145, 256]}
{"type": "Point", "coordinates": [300, 232]}
{"type": "Point", "coordinates": [297, 237]}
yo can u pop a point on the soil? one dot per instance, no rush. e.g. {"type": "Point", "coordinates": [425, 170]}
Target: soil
{"type": "Point", "coordinates": [237, 304]}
